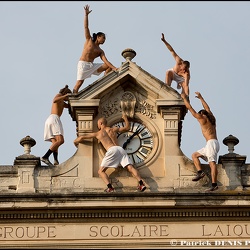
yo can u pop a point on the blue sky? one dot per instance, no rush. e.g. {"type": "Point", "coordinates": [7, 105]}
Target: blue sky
{"type": "Point", "coordinates": [41, 42]}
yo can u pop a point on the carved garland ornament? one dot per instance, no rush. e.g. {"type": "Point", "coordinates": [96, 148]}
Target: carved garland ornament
{"type": "Point", "coordinates": [128, 104]}
{"type": "Point", "coordinates": [145, 108]}
{"type": "Point", "coordinates": [110, 108]}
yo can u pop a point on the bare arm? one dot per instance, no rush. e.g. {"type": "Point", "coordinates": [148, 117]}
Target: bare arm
{"type": "Point", "coordinates": [186, 76]}
{"type": "Point", "coordinates": [86, 22]}
{"type": "Point", "coordinates": [81, 138]}
{"type": "Point", "coordinates": [125, 128]}
{"type": "Point", "coordinates": [170, 48]}
{"type": "Point", "coordinates": [105, 60]}
{"type": "Point", "coordinates": [127, 124]}
{"type": "Point", "coordinates": [189, 107]}
{"type": "Point", "coordinates": [203, 102]}
{"type": "Point", "coordinates": [59, 97]}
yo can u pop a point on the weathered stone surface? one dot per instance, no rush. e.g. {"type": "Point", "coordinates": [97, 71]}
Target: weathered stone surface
{"type": "Point", "coordinates": [65, 206]}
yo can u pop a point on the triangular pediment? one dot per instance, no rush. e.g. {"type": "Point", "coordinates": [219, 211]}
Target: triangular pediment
{"type": "Point", "coordinates": [129, 75]}
{"type": "Point", "coordinates": [129, 78]}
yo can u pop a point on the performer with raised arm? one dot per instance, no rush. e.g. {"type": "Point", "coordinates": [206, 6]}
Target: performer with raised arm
{"type": "Point", "coordinates": [53, 129]}
{"type": "Point", "coordinates": [208, 128]}
{"type": "Point", "coordinates": [180, 73]}
{"type": "Point", "coordinates": [91, 50]}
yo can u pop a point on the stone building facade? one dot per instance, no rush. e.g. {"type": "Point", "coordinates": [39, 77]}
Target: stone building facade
{"type": "Point", "coordinates": [65, 206]}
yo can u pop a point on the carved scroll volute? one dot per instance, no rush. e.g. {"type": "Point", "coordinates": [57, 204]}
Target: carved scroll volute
{"type": "Point", "coordinates": [128, 101]}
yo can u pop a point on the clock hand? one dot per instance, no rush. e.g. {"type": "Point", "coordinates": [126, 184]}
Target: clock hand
{"type": "Point", "coordinates": [129, 139]}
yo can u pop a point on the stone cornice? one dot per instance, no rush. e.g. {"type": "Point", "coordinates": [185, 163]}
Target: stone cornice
{"type": "Point", "coordinates": [124, 200]}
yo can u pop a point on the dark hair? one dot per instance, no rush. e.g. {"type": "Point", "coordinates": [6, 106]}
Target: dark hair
{"type": "Point", "coordinates": [210, 117]}
{"type": "Point", "coordinates": [65, 90]}
{"type": "Point", "coordinates": [187, 64]}
{"type": "Point", "coordinates": [203, 111]}
{"type": "Point", "coordinates": [95, 35]}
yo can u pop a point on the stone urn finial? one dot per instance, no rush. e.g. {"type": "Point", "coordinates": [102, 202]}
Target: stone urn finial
{"type": "Point", "coordinates": [27, 142]}
{"type": "Point", "coordinates": [231, 141]}
{"type": "Point", "coordinates": [128, 54]}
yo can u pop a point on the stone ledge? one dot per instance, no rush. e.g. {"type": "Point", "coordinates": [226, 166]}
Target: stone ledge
{"type": "Point", "coordinates": [122, 200]}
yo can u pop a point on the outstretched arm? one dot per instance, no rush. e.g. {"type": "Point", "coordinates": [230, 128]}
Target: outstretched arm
{"type": "Point", "coordinates": [83, 137]}
{"type": "Point", "coordinates": [170, 48]}
{"type": "Point", "coordinates": [189, 107]}
{"type": "Point", "coordinates": [203, 102]}
{"type": "Point", "coordinates": [86, 22]}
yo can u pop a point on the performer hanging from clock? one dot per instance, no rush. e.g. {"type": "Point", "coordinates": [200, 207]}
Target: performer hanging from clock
{"type": "Point", "coordinates": [115, 154]}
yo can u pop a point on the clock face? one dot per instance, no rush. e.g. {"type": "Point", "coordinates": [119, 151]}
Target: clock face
{"type": "Point", "coordinates": [138, 141]}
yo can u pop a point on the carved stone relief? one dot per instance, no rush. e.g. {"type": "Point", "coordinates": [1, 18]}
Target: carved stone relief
{"type": "Point", "coordinates": [129, 103]}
